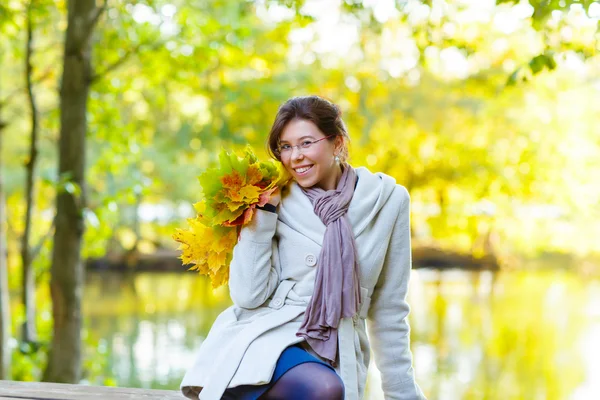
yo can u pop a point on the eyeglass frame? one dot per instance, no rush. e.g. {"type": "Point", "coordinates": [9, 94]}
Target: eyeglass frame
{"type": "Point", "coordinates": [299, 146]}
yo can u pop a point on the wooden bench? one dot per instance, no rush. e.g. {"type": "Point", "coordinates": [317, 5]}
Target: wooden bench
{"type": "Point", "coordinates": [11, 390]}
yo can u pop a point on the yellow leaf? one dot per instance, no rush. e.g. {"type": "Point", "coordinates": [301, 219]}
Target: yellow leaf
{"type": "Point", "coordinates": [250, 194]}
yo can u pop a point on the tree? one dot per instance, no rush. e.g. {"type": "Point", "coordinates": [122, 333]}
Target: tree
{"type": "Point", "coordinates": [4, 299]}
{"type": "Point", "coordinates": [29, 333]}
{"type": "Point", "coordinates": [5, 321]}
{"type": "Point", "coordinates": [66, 284]}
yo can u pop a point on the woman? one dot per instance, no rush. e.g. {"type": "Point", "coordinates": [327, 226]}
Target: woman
{"type": "Point", "coordinates": [328, 257]}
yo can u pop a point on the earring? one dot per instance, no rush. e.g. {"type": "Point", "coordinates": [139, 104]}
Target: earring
{"type": "Point", "coordinates": [337, 159]}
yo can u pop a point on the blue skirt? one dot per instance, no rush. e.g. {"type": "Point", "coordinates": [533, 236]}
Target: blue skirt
{"type": "Point", "coordinates": [291, 356]}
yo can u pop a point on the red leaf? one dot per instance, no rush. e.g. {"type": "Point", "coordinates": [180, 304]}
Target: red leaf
{"type": "Point", "coordinates": [264, 197]}
{"type": "Point", "coordinates": [238, 221]}
{"type": "Point", "coordinates": [248, 214]}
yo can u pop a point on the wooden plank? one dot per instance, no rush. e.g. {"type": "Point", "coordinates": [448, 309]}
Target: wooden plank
{"type": "Point", "coordinates": [12, 390]}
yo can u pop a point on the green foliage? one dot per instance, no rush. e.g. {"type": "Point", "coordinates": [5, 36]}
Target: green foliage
{"type": "Point", "coordinates": [544, 8]}
{"type": "Point", "coordinates": [236, 183]}
{"type": "Point", "coordinates": [536, 65]}
{"type": "Point", "coordinates": [174, 82]}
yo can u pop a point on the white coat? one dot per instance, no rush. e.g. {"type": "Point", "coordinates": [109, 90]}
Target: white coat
{"type": "Point", "coordinates": [271, 282]}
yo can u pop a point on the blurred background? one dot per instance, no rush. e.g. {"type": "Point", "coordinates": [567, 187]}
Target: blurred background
{"type": "Point", "coordinates": [487, 111]}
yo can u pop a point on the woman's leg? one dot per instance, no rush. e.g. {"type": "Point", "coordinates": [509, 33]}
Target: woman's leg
{"type": "Point", "coordinates": [307, 381]}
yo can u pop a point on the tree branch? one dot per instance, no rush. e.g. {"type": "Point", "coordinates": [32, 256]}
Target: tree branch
{"type": "Point", "coordinates": [38, 248]}
{"type": "Point", "coordinates": [94, 18]}
{"type": "Point", "coordinates": [97, 14]}
{"type": "Point", "coordinates": [43, 77]}
{"type": "Point", "coordinates": [17, 91]}
{"type": "Point", "coordinates": [111, 67]}
{"type": "Point", "coordinates": [7, 99]}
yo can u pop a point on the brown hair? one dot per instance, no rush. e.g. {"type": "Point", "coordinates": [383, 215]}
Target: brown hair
{"type": "Point", "coordinates": [323, 113]}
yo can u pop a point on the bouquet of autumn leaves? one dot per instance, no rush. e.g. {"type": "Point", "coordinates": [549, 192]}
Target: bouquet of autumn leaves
{"type": "Point", "coordinates": [232, 191]}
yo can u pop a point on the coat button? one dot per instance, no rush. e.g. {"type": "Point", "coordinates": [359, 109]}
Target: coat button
{"type": "Point", "coordinates": [310, 260]}
{"type": "Point", "coordinates": [277, 302]}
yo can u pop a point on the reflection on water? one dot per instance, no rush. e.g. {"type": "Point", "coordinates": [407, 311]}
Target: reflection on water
{"type": "Point", "coordinates": [514, 335]}
{"type": "Point", "coordinates": [148, 325]}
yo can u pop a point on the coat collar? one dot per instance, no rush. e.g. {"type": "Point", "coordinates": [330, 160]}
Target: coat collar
{"type": "Point", "coordinates": [371, 194]}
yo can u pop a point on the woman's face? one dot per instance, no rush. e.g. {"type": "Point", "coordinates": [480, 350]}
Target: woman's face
{"type": "Point", "coordinates": [312, 166]}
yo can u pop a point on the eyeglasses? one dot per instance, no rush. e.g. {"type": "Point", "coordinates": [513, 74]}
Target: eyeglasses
{"type": "Point", "coordinates": [286, 149]}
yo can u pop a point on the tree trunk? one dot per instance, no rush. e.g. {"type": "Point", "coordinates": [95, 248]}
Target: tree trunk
{"type": "Point", "coordinates": [29, 331]}
{"type": "Point", "coordinates": [66, 282]}
{"type": "Point", "coordinates": [5, 355]}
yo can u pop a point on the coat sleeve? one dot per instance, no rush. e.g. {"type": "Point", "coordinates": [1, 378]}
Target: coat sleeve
{"type": "Point", "coordinates": [252, 276]}
{"type": "Point", "coordinates": [387, 320]}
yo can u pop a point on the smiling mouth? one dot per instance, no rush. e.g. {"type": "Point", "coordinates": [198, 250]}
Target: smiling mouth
{"type": "Point", "coordinates": [303, 170]}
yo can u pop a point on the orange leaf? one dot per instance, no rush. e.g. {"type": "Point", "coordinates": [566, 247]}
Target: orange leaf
{"type": "Point", "coordinates": [232, 181]}
{"type": "Point", "coordinates": [253, 175]}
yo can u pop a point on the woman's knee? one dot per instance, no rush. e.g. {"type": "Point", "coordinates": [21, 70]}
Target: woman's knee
{"type": "Point", "coordinates": [308, 381]}
{"type": "Point", "coordinates": [330, 387]}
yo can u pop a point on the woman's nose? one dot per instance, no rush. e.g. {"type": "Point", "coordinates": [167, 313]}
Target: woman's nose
{"type": "Point", "coordinates": [296, 153]}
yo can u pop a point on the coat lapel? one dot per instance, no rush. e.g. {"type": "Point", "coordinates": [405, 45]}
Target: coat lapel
{"type": "Point", "coordinates": [297, 212]}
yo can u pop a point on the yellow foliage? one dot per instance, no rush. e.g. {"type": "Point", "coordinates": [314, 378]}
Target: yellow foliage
{"type": "Point", "coordinates": [232, 192]}
{"type": "Point", "coordinates": [207, 248]}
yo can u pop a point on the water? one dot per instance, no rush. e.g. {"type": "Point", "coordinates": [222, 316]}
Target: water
{"type": "Point", "coordinates": [513, 335]}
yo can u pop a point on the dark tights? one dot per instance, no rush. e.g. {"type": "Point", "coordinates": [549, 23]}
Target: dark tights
{"type": "Point", "coordinates": [306, 382]}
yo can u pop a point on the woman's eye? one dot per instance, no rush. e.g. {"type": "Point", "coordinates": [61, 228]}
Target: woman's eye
{"type": "Point", "coordinates": [306, 143]}
{"type": "Point", "coordinates": [285, 147]}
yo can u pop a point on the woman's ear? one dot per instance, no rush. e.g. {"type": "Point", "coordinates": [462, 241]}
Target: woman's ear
{"type": "Point", "coordinates": [338, 145]}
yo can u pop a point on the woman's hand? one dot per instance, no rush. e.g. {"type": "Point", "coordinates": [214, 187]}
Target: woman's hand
{"type": "Point", "coordinates": [275, 197]}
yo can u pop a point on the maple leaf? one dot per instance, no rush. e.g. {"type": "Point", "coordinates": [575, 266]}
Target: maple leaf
{"type": "Point", "coordinates": [265, 196]}
{"type": "Point", "coordinates": [233, 180]}
{"type": "Point", "coordinates": [250, 193]}
{"type": "Point", "coordinates": [254, 175]}
{"type": "Point", "coordinates": [232, 190]}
